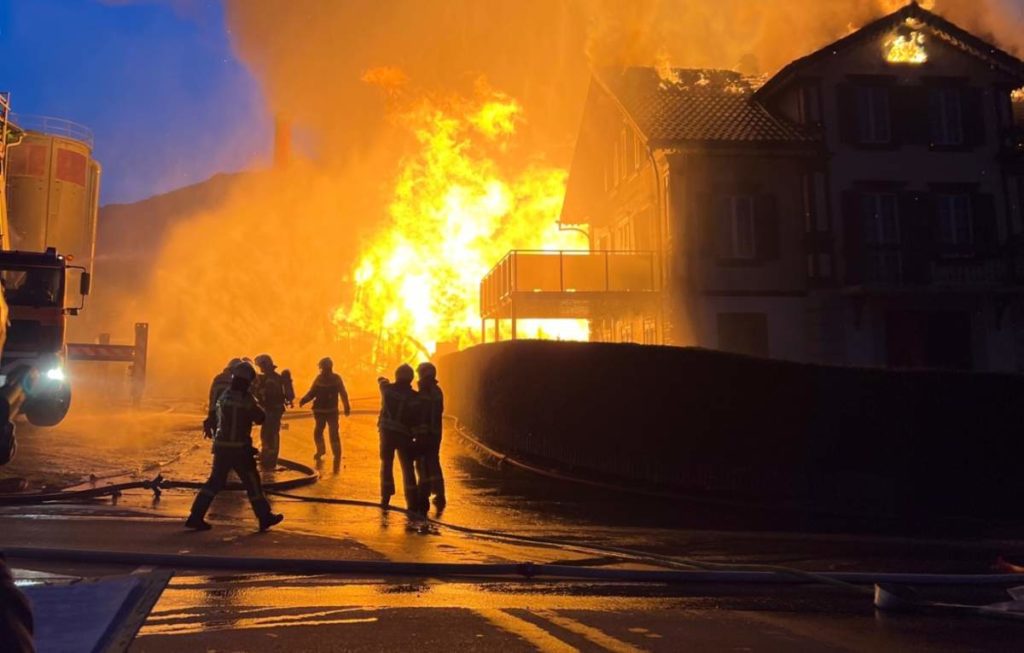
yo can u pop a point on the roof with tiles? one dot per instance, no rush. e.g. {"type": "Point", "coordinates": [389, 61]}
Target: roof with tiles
{"type": "Point", "coordinates": [686, 105]}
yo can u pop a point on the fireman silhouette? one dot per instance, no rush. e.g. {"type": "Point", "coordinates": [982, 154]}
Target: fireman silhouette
{"type": "Point", "coordinates": [327, 388]}
{"type": "Point", "coordinates": [273, 392]}
{"type": "Point", "coordinates": [221, 382]}
{"type": "Point", "coordinates": [398, 408]}
{"type": "Point", "coordinates": [229, 423]}
{"type": "Point", "coordinates": [428, 439]}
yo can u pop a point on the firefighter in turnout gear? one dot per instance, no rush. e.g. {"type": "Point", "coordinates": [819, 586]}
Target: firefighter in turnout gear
{"type": "Point", "coordinates": [273, 391]}
{"type": "Point", "coordinates": [230, 425]}
{"type": "Point", "coordinates": [327, 388]}
{"type": "Point", "coordinates": [398, 418]}
{"type": "Point", "coordinates": [221, 382]}
{"type": "Point", "coordinates": [428, 438]}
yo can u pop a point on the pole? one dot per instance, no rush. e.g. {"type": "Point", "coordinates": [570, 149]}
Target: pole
{"type": "Point", "coordinates": [139, 364]}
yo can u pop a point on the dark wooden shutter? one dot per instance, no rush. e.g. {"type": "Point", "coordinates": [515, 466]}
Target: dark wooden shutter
{"type": "Point", "coordinates": [972, 102]}
{"type": "Point", "coordinates": [846, 110]}
{"type": "Point", "coordinates": [916, 236]}
{"type": "Point", "coordinates": [766, 216]}
{"type": "Point", "coordinates": [706, 223]}
{"type": "Point", "coordinates": [853, 237]}
{"type": "Point", "coordinates": [986, 231]}
{"type": "Point", "coordinates": [910, 115]}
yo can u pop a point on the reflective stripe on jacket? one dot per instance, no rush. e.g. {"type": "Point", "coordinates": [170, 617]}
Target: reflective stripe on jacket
{"type": "Point", "coordinates": [397, 408]}
{"type": "Point", "coordinates": [235, 412]}
{"type": "Point", "coordinates": [220, 383]}
{"type": "Point", "coordinates": [431, 409]}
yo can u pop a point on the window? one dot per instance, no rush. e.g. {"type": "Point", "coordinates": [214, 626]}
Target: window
{"type": "Point", "coordinates": [810, 104]}
{"type": "Point", "coordinates": [956, 228]}
{"type": "Point", "coordinates": [873, 119]}
{"type": "Point", "coordinates": [881, 231]}
{"type": "Point", "coordinates": [881, 219]}
{"type": "Point", "coordinates": [946, 114]}
{"type": "Point", "coordinates": [740, 237]}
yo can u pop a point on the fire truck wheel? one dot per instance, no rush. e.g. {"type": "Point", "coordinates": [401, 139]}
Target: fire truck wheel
{"type": "Point", "coordinates": [48, 409]}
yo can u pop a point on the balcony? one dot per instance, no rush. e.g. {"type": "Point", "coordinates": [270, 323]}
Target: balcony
{"type": "Point", "coordinates": [569, 284]}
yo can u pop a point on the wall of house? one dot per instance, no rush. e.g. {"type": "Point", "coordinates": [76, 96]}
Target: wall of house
{"type": "Point", "coordinates": [703, 284]}
{"type": "Point", "coordinates": [912, 167]}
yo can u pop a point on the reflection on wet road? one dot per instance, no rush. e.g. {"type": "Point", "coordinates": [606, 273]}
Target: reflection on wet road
{"type": "Point", "coordinates": [221, 611]}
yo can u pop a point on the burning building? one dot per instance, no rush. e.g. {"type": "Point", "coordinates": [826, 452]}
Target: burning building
{"type": "Point", "coordinates": [861, 206]}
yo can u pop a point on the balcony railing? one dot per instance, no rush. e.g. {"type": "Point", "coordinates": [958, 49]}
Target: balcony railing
{"type": "Point", "coordinates": [568, 271]}
{"type": "Point", "coordinates": [54, 127]}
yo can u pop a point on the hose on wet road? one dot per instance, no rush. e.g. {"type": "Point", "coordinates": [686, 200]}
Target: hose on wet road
{"type": "Point", "coordinates": [528, 570]}
{"type": "Point", "coordinates": [157, 485]}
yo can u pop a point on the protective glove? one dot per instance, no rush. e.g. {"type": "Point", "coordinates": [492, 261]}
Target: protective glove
{"type": "Point", "coordinates": [348, 412]}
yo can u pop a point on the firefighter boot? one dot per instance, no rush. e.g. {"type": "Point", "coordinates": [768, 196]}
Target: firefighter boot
{"type": "Point", "coordinates": [267, 518]}
{"type": "Point", "coordinates": [196, 519]}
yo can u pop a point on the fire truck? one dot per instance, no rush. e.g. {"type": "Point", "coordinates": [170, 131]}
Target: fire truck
{"type": "Point", "coordinates": [49, 198]}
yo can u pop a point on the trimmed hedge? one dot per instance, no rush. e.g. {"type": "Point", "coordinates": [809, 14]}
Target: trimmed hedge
{"type": "Point", "coordinates": [846, 439]}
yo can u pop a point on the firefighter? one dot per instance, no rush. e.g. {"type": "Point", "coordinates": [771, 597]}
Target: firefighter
{"type": "Point", "coordinates": [230, 425]}
{"type": "Point", "coordinates": [398, 407]}
{"type": "Point", "coordinates": [327, 388]}
{"type": "Point", "coordinates": [221, 382]}
{"type": "Point", "coordinates": [273, 391]}
{"type": "Point", "coordinates": [428, 460]}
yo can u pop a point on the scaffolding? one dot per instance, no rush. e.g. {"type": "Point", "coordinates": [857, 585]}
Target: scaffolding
{"type": "Point", "coordinates": [567, 284]}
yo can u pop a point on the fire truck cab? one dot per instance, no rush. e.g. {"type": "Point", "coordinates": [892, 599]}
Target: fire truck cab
{"type": "Point", "coordinates": [35, 290]}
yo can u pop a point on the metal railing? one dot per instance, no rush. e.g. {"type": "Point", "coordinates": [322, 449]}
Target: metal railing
{"type": "Point", "coordinates": [568, 271]}
{"type": "Point", "coordinates": [52, 126]}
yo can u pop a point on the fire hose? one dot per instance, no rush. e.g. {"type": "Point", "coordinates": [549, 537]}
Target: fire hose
{"type": "Point", "coordinates": [157, 485]}
{"type": "Point", "coordinates": [674, 569]}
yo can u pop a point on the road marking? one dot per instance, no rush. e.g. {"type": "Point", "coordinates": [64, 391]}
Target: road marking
{"type": "Point", "coordinates": [532, 633]}
{"type": "Point", "coordinates": [591, 634]}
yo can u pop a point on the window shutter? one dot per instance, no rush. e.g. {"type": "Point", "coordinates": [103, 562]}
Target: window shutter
{"type": "Point", "coordinates": [846, 101]}
{"type": "Point", "coordinates": [707, 223]}
{"type": "Point", "coordinates": [723, 226]}
{"type": "Point", "coordinates": [910, 115]}
{"type": "Point", "coordinates": [766, 212]}
{"type": "Point", "coordinates": [916, 236]}
{"type": "Point", "coordinates": [853, 237]}
{"type": "Point", "coordinates": [973, 115]}
{"type": "Point", "coordinates": [986, 232]}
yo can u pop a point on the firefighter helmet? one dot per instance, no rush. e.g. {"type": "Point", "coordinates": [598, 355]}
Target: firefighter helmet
{"type": "Point", "coordinates": [264, 361]}
{"type": "Point", "coordinates": [231, 363]}
{"type": "Point", "coordinates": [427, 370]}
{"type": "Point", "coordinates": [244, 371]}
{"type": "Point", "coordinates": [404, 374]}
{"type": "Point", "coordinates": [326, 364]}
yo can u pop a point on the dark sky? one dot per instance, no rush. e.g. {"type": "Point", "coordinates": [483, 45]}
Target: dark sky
{"type": "Point", "coordinates": [156, 81]}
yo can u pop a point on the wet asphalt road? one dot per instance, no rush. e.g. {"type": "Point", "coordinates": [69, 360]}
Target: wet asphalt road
{"type": "Point", "coordinates": [231, 611]}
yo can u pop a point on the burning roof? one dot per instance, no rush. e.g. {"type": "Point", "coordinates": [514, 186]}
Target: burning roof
{"type": "Point", "coordinates": [687, 105]}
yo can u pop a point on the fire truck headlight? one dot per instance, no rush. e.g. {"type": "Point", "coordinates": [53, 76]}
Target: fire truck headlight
{"type": "Point", "coordinates": [55, 374]}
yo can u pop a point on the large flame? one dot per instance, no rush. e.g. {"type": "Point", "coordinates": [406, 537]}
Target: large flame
{"type": "Point", "coordinates": [454, 214]}
{"type": "Point", "coordinates": [906, 48]}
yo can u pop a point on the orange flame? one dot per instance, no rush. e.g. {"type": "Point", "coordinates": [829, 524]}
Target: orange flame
{"type": "Point", "coordinates": [455, 212]}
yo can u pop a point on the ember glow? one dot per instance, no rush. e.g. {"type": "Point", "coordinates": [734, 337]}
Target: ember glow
{"type": "Point", "coordinates": [455, 212]}
{"type": "Point", "coordinates": [906, 48]}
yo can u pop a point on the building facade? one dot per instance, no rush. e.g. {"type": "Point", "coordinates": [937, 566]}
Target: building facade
{"type": "Point", "coordinates": [861, 206]}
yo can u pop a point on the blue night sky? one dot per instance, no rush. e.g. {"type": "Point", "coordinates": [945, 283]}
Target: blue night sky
{"type": "Point", "coordinates": [158, 83]}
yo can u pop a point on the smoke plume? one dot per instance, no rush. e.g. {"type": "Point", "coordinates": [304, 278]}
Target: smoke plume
{"type": "Point", "coordinates": [268, 269]}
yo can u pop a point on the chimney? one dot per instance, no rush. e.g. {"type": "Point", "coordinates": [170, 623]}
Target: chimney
{"type": "Point", "coordinates": [282, 142]}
